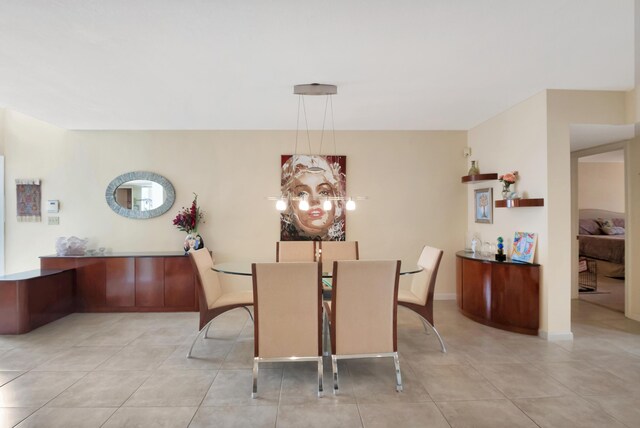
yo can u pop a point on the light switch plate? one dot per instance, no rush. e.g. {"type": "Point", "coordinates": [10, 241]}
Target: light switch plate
{"type": "Point", "coordinates": [54, 220]}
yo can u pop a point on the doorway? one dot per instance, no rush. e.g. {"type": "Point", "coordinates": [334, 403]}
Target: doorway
{"type": "Point", "coordinates": [601, 229]}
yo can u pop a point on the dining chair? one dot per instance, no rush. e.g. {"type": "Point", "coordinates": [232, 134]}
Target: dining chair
{"type": "Point", "coordinates": [288, 315]}
{"type": "Point", "coordinates": [363, 312]}
{"type": "Point", "coordinates": [331, 251]}
{"type": "Point", "coordinates": [295, 251]}
{"type": "Point", "coordinates": [419, 297]}
{"type": "Point", "coordinates": [212, 298]}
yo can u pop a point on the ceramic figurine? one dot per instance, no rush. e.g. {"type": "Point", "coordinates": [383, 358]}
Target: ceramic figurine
{"type": "Point", "coordinates": [500, 255]}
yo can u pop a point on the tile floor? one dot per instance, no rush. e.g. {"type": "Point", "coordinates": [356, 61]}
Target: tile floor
{"type": "Point", "coordinates": [122, 370]}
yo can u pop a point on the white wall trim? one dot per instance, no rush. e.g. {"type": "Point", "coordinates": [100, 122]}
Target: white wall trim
{"type": "Point", "coordinates": [551, 337]}
{"type": "Point", "coordinates": [444, 296]}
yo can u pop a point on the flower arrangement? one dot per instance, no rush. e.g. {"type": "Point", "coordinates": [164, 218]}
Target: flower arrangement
{"type": "Point", "coordinates": [508, 179]}
{"type": "Point", "coordinates": [187, 219]}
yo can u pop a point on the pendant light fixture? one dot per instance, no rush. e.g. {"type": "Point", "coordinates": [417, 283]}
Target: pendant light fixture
{"type": "Point", "coordinates": [315, 89]}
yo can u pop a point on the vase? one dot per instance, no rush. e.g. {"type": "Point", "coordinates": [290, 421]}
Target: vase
{"type": "Point", "coordinates": [506, 191]}
{"type": "Point", "coordinates": [193, 241]}
{"type": "Point", "coordinates": [474, 170]}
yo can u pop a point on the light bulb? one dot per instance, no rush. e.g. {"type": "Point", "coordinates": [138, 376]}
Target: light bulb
{"type": "Point", "coordinates": [351, 205]}
{"type": "Point", "coordinates": [304, 205]}
{"type": "Point", "coordinates": [281, 205]}
{"type": "Point", "coordinates": [326, 205]}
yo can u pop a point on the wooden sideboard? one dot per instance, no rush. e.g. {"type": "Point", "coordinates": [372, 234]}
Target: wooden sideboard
{"type": "Point", "coordinates": [130, 282]}
{"type": "Point", "coordinates": [504, 295]}
{"type": "Point", "coordinates": [31, 299]}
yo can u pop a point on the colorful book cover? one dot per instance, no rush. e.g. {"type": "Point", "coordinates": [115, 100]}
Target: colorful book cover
{"type": "Point", "coordinates": [524, 247]}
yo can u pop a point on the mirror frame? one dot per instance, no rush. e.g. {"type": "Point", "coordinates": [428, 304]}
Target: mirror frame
{"type": "Point", "coordinates": [110, 194]}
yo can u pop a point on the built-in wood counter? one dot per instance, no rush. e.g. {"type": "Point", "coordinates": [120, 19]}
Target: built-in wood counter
{"type": "Point", "coordinates": [31, 299]}
{"type": "Point", "coordinates": [503, 295]}
{"type": "Point", "coordinates": [130, 282]}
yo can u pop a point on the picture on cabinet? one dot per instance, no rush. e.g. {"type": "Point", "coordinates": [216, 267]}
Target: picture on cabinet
{"type": "Point", "coordinates": [524, 247]}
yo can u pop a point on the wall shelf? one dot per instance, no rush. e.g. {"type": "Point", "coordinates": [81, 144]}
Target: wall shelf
{"type": "Point", "coordinates": [479, 177]}
{"type": "Point", "coordinates": [518, 203]}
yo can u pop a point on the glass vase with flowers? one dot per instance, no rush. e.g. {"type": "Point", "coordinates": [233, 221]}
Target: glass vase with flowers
{"type": "Point", "coordinates": [507, 180]}
{"type": "Point", "coordinates": [187, 220]}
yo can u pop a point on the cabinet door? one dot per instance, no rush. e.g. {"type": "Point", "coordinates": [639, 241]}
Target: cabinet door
{"type": "Point", "coordinates": [476, 284]}
{"type": "Point", "coordinates": [150, 282]}
{"type": "Point", "coordinates": [179, 285]}
{"type": "Point", "coordinates": [515, 299]}
{"type": "Point", "coordinates": [120, 281]}
{"type": "Point", "coordinates": [90, 283]}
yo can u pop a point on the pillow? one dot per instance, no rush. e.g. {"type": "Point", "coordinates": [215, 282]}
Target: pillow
{"type": "Point", "coordinates": [607, 227]}
{"type": "Point", "coordinates": [619, 222]}
{"type": "Point", "coordinates": [589, 226]}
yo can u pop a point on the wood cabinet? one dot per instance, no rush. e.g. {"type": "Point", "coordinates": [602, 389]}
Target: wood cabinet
{"type": "Point", "coordinates": [31, 299]}
{"type": "Point", "coordinates": [504, 295]}
{"type": "Point", "coordinates": [130, 282]}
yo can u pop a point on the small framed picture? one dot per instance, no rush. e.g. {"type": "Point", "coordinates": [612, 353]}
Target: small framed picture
{"type": "Point", "coordinates": [524, 247]}
{"type": "Point", "coordinates": [484, 205]}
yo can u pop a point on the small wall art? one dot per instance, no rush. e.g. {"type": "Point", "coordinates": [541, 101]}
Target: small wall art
{"type": "Point", "coordinates": [28, 195]}
{"type": "Point", "coordinates": [484, 205]}
{"type": "Point", "coordinates": [524, 247]}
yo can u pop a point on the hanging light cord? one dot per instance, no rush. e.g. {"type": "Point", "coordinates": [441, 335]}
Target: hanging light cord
{"type": "Point", "coordinates": [324, 120]}
{"type": "Point", "coordinates": [306, 122]}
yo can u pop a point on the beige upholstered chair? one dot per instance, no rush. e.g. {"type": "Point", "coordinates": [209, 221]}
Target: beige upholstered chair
{"type": "Point", "coordinates": [213, 300]}
{"type": "Point", "coordinates": [330, 251]}
{"type": "Point", "coordinates": [363, 312]}
{"type": "Point", "coordinates": [419, 297]}
{"type": "Point", "coordinates": [288, 311]}
{"type": "Point", "coordinates": [296, 251]}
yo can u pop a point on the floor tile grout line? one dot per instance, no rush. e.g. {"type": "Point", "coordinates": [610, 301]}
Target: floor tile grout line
{"type": "Point", "coordinates": [526, 414]}
{"type": "Point", "coordinates": [199, 406]}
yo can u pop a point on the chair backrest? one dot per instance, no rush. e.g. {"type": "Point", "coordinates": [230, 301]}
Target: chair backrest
{"type": "Point", "coordinates": [209, 288]}
{"type": "Point", "coordinates": [364, 307]}
{"type": "Point", "coordinates": [330, 251]}
{"type": "Point", "coordinates": [296, 251]}
{"type": "Point", "coordinates": [287, 301]}
{"type": "Point", "coordinates": [423, 283]}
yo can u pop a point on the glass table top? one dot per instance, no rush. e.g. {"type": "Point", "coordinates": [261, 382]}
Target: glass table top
{"type": "Point", "coordinates": [244, 269]}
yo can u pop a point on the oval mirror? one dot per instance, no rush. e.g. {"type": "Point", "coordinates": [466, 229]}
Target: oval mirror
{"type": "Point", "coordinates": [140, 194]}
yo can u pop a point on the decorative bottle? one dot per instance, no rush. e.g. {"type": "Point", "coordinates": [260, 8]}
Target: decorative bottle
{"type": "Point", "coordinates": [474, 170]}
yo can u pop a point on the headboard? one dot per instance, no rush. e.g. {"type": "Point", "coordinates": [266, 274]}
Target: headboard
{"type": "Point", "coordinates": [595, 213]}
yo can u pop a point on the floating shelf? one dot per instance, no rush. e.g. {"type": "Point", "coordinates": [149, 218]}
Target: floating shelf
{"type": "Point", "coordinates": [479, 177]}
{"type": "Point", "coordinates": [517, 203]}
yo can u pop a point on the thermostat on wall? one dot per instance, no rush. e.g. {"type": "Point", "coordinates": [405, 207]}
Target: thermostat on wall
{"type": "Point", "coordinates": [53, 206]}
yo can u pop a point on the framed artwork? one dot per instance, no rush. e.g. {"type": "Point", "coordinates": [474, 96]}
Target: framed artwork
{"type": "Point", "coordinates": [484, 205]}
{"type": "Point", "coordinates": [315, 179]}
{"type": "Point", "coordinates": [524, 247]}
{"type": "Point", "coordinates": [28, 195]}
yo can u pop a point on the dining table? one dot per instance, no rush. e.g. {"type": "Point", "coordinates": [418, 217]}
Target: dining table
{"type": "Point", "coordinates": [243, 268]}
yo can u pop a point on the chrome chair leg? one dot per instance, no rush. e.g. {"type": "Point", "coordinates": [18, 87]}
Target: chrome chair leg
{"type": "Point", "coordinates": [250, 314]}
{"type": "Point", "coordinates": [396, 362]}
{"type": "Point", "coordinates": [326, 340]}
{"type": "Point", "coordinates": [425, 324]}
{"type": "Point", "coordinates": [206, 333]}
{"type": "Point", "coordinates": [444, 349]}
{"type": "Point", "coordinates": [334, 363]}
{"type": "Point", "coordinates": [320, 377]}
{"type": "Point", "coordinates": [206, 327]}
{"type": "Point", "coordinates": [254, 393]}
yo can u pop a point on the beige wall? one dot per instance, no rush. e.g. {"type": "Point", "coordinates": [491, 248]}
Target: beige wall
{"type": "Point", "coordinates": [2, 128]}
{"type": "Point", "coordinates": [412, 180]}
{"type": "Point", "coordinates": [567, 107]}
{"type": "Point", "coordinates": [632, 228]}
{"type": "Point", "coordinates": [533, 138]}
{"type": "Point", "coordinates": [515, 140]}
{"type": "Point", "coordinates": [601, 186]}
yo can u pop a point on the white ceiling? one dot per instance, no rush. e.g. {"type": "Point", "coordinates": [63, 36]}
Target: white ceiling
{"type": "Point", "coordinates": [616, 156]}
{"type": "Point", "coordinates": [584, 136]}
{"type": "Point", "coordinates": [229, 64]}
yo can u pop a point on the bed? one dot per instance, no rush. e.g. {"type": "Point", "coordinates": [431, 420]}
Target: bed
{"type": "Point", "coordinates": [601, 237]}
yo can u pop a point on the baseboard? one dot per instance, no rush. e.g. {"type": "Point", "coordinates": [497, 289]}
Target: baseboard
{"type": "Point", "coordinates": [444, 296]}
{"type": "Point", "coordinates": [551, 337]}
